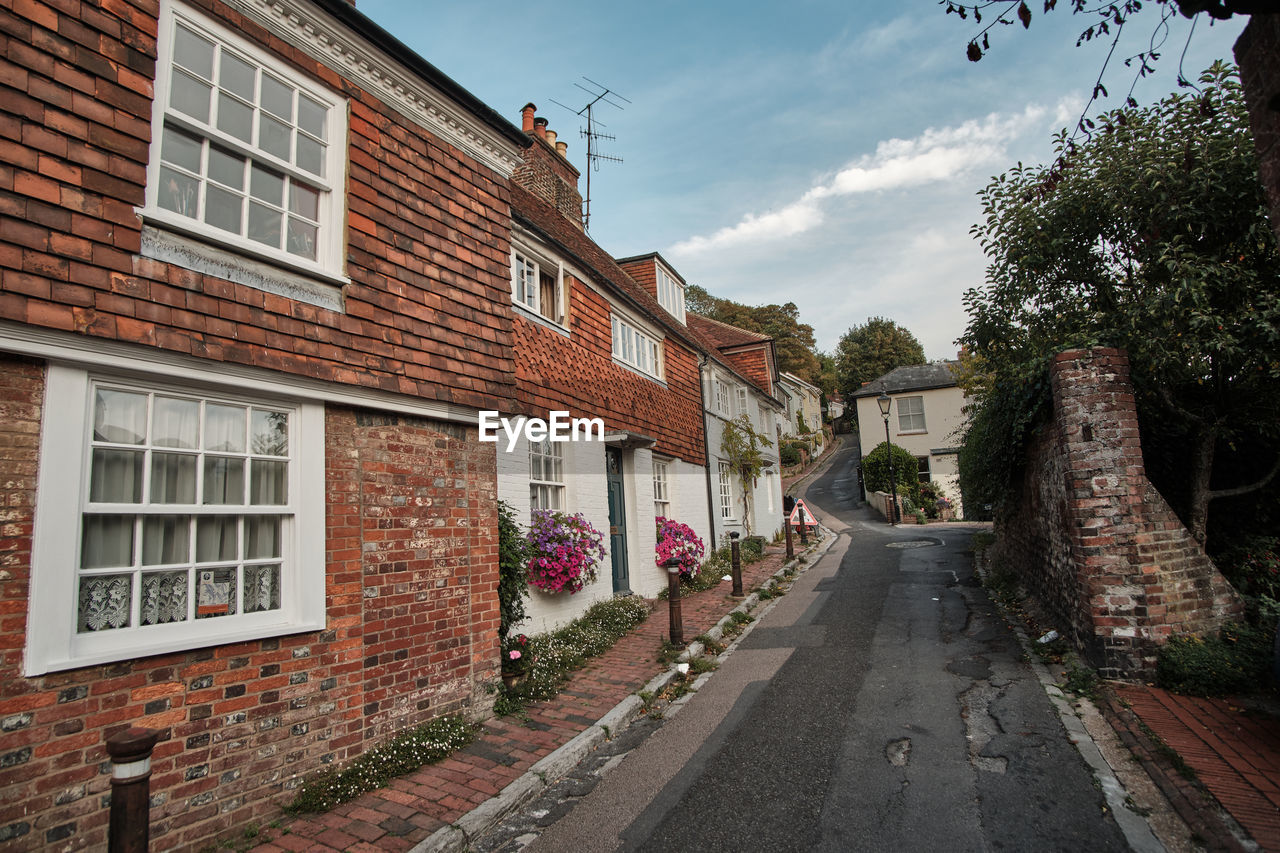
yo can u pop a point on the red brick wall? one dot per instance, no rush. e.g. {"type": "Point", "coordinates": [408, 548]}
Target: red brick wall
{"type": "Point", "coordinates": [411, 595]}
{"type": "Point", "coordinates": [429, 228]}
{"type": "Point", "coordinates": [551, 178]}
{"type": "Point", "coordinates": [1093, 538]}
{"type": "Point", "coordinates": [578, 375]}
{"type": "Point", "coordinates": [1258, 55]}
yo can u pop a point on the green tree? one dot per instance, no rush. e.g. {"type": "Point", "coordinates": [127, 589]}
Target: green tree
{"type": "Point", "coordinates": [743, 449]}
{"type": "Point", "coordinates": [793, 341]}
{"type": "Point", "coordinates": [871, 350]}
{"type": "Point", "coordinates": [826, 379]}
{"type": "Point", "coordinates": [1151, 236]}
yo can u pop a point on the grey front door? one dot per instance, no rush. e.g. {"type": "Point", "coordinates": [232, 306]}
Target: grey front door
{"type": "Point", "coordinates": [617, 522]}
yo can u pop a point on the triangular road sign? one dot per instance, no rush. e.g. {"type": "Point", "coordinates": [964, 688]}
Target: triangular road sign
{"type": "Point", "coordinates": [800, 515]}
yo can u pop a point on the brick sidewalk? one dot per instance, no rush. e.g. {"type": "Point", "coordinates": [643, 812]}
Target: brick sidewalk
{"type": "Point", "coordinates": [412, 807]}
{"type": "Point", "coordinates": [1235, 755]}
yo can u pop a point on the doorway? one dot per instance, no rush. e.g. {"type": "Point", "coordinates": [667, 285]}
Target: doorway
{"type": "Point", "coordinates": [617, 522]}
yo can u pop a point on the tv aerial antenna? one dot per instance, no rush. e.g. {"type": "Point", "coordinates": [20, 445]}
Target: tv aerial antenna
{"type": "Point", "coordinates": [598, 94]}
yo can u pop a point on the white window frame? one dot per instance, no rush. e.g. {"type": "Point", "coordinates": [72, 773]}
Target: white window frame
{"type": "Point", "coordinates": [661, 489]}
{"type": "Point", "coordinates": [331, 233]}
{"type": "Point", "coordinates": [670, 293]}
{"type": "Point", "coordinates": [924, 469]}
{"type": "Point", "coordinates": [526, 265]}
{"type": "Point", "coordinates": [53, 642]}
{"type": "Point", "coordinates": [726, 492]}
{"type": "Point", "coordinates": [635, 348]}
{"type": "Point", "coordinates": [721, 393]}
{"type": "Point", "coordinates": [546, 458]}
{"type": "Point", "coordinates": [743, 400]}
{"type": "Point", "coordinates": [908, 420]}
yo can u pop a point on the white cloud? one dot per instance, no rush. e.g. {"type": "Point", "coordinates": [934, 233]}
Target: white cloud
{"type": "Point", "coordinates": [937, 155]}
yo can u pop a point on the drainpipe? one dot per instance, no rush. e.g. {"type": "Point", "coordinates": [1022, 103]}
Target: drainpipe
{"type": "Point", "coordinates": [706, 446]}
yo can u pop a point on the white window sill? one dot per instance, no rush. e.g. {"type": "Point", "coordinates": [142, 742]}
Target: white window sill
{"type": "Point", "coordinates": [529, 314]}
{"type": "Point", "coordinates": [164, 240]}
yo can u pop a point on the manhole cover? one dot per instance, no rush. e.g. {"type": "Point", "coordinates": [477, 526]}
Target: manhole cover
{"type": "Point", "coordinates": [914, 543]}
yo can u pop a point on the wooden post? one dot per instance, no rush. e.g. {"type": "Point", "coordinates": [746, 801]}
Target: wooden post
{"type": "Point", "coordinates": [129, 830]}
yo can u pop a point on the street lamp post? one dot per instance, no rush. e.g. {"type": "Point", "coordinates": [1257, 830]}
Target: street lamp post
{"type": "Point", "coordinates": [885, 402]}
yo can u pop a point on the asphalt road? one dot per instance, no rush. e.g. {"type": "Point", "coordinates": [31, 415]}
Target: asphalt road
{"type": "Point", "coordinates": [882, 704]}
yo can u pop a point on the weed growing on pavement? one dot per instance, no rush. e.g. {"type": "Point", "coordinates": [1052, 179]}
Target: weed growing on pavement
{"type": "Point", "coordinates": [699, 665]}
{"type": "Point", "coordinates": [669, 653]}
{"type": "Point", "coordinates": [1141, 811]}
{"type": "Point", "coordinates": [765, 593]}
{"type": "Point", "coordinates": [1185, 770]}
{"type": "Point", "coordinates": [739, 617]}
{"type": "Point", "coordinates": [710, 645]}
{"type": "Point", "coordinates": [1082, 681]}
{"type": "Point", "coordinates": [1001, 584]}
{"type": "Point", "coordinates": [556, 655]}
{"type": "Point", "coordinates": [401, 754]}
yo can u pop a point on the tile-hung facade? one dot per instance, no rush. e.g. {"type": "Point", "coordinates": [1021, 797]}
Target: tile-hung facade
{"type": "Point", "coordinates": [740, 380]}
{"type": "Point", "coordinates": [255, 268]}
{"type": "Point", "coordinates": [592, 342]}
{"type": "Point", "coordinates": [926, 418]}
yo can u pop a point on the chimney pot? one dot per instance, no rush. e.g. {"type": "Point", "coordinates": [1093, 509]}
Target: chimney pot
{"type": "Point", "coordinates": [526, 117]}
{"type": "Point", "coordinates": [540, 127]}
{"type": "Point", "coordinates": [551, 137]}
{"type": "Point", "coordinates": [562, 148]}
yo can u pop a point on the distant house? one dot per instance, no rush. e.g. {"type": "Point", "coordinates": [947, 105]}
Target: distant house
{"type": "Point", "coordinates": [804, 406]}
{"type": "Point", "coordinates": [925, 418]}
{"type": "Point", "coordinates": [835, 407]}
{"type": "Point", "coordinates": [741, 378]}
{"type": "Point", "coordinates": [593, 341]}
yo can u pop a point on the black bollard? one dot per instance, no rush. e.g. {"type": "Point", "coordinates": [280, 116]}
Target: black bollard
{"type": "Point", "coordinates": [129, 830]}
{"type": "Point", "coordinates": [791, 548]}
{"type": "Point", "coordinates": [673, 602]}
{"type": "Point", "coordinates": [735, 551]}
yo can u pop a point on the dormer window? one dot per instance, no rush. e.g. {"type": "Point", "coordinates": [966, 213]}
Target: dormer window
{"type": "Point", "coordinates": [538, 285]}
{"type": "Point", "coordinates": [671, 294]}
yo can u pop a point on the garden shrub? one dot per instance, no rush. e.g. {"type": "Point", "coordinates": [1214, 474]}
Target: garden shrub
{"type": "Point", "coordinates": [875, 471]}
{"type": "Point", "coordinates": [553, 656]}
{"type": "Point", "coordinates": [790, 454]}
{"type": "Point", "coordinates": [1235, 660]}
{"type": "Point", "coordinates": [513, 570]}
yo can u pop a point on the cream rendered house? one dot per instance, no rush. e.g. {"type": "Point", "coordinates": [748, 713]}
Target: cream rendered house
{"type": "Point", "coordinates": [925, 417]}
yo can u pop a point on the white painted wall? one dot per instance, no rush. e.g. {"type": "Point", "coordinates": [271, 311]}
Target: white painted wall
{"type": "Point", "coordinates": [586, 492]}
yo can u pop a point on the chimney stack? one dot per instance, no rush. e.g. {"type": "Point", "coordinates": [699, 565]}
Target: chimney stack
{"type": "Point", "coordinates": [551, 137]}
{"type": "Point", "coordinates": [540, 127]}
{"type": "Point", "coordinates": [526, 117]}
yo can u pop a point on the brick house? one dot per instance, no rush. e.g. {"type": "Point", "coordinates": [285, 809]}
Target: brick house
{"type": "Point", "coordinates": [593, 341]}
{"type": "Point", "coordinates": [742, 379]}
{"type": "Point", "coordinates": [254, 290]}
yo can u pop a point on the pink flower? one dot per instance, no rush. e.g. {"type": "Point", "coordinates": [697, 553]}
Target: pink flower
{"type": "Point", "coordinates": [514, 655]}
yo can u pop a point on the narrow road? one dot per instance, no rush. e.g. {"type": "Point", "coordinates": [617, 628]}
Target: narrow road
{"type": "Point", "coordinates": [882, 704]}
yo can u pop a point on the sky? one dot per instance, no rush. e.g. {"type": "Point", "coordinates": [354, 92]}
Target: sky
{"type": "Point", "coordinates": [822, 152]}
